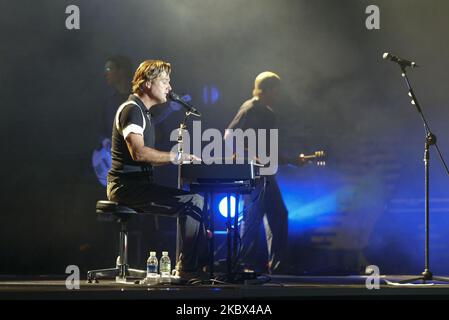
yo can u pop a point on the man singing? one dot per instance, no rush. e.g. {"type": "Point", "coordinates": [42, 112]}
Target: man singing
{"type": "Point", "coordinates": [130, 180]}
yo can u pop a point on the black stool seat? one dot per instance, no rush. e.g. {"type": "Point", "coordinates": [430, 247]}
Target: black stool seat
{"type": "Point", "coordinates": [106, 209]}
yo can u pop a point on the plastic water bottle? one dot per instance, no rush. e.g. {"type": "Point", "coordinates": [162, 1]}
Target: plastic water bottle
{"type": "Point", "coordinates": [165, 265]}
{"type": "Point", "coordinates": [152, 264]}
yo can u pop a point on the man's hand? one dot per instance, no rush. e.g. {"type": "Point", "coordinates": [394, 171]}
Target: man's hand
{"type": "Point", "coordinates": [302, 160]}
{"type": "Point", "coordinates": [185, 158]}
{"type": "Point", "coordinates": [190, 158]}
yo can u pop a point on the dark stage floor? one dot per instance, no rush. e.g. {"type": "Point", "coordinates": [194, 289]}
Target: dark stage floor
{"type": "Point", "coordinates": [264, 288]}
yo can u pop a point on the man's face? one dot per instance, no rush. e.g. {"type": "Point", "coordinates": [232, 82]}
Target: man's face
{"type": "Point", "coordinates": [160, 87]}
{"type": "Point", "coordinates": [111, 73]}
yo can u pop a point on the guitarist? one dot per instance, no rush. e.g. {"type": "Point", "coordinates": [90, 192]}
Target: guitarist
{"type": "Point", "coordinates": [263, 205]}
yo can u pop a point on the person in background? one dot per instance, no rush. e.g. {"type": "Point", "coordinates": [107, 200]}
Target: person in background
{"type": "Point", "coordinates": [265, 204]}
{"type": "Point", "coordinates": [118, 72]}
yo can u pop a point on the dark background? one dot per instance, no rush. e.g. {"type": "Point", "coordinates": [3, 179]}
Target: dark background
{"type": "Point", "coordinates": [340, 96]}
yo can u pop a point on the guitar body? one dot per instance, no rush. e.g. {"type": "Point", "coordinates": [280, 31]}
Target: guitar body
{"type": "Point", "coordinates": [101, 161]}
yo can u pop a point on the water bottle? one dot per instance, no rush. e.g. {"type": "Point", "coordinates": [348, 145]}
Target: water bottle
{"type": "Point", "coordinates": [165, 265]}
{"type": "Point", "coordinates": [152, 264]}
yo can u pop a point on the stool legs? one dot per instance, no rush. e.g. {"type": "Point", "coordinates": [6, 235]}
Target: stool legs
{"type": "Point", "coordinates": [122, 270]}
{"type": "Point", "coordinates": [123, 251]}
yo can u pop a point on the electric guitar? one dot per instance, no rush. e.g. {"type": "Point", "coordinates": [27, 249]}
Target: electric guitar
{"type": "Point", "coordinates": [318, 158]}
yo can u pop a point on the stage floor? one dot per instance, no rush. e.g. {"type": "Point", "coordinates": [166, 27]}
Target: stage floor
{"type": "Point", "coordinates": [264, 288]}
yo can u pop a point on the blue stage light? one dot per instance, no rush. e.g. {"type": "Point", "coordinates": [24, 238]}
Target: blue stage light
{"type": "Point", "coordinates": [211, 94]}
{"type": "Point", "coordinates": [223, 206]}
{"type": "Point", "coordinates": [312, 196]}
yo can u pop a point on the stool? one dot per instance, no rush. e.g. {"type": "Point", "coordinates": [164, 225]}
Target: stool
{"type": "Point", "coordinates": [110, 210]}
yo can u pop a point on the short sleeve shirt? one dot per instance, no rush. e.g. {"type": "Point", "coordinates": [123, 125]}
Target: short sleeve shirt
{"type": "Point", "coordinates": [254, 115]}
{"type": "Point", "coordinates": [131, 117]}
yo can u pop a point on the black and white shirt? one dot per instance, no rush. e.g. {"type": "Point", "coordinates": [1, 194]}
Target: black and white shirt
{"type": "Point", "coordinates": [131, 117]}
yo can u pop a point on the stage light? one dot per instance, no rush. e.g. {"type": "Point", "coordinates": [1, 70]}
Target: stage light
{"type": "Point", "coordinates": [312, 196]}
{"type": "Point", "coordinates": [210, 94]}
{"type": "Point", "coordinates": [223, 206]}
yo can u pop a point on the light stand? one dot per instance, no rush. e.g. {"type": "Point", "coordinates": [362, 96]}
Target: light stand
{"type": "Point", "coordinates": [232, 234]}
{"type": "Point", "coordinates": [431, 139]}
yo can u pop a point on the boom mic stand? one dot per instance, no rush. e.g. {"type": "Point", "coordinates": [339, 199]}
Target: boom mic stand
{"type": "Point", "coordinates": [430, 140]}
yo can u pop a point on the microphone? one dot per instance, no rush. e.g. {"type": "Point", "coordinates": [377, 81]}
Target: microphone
{"type": "Point", "coordinates": [398, 60]}
{"type": "Point", "coordinates": [189, 108]}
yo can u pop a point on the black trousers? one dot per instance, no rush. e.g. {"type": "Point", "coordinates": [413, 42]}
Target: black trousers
{"type": "Point", "coordinates": [150, 198]}
{"type": "Point", "coordinates": [265, 206]}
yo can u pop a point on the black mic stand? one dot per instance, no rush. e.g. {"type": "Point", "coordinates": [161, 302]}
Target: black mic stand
{"type": "Point", "coordinates": [182, 127]}
{"type": "Point", "coordinates": [207, 199]}
{"type": "Point", "coordinates": [431, 139]}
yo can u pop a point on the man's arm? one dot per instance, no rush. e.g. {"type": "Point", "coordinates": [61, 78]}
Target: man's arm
{"type": "Point", "coordinates": [239, 122]}
{"type": "Point", "coordinates": [139, 152]}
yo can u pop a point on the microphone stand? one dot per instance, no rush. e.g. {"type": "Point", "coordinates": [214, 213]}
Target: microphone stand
{"type": "Point", "coordinates": [182, 127]}
{"type": "Point", "coordinates": [430, 139]}
{"type": "Point", "coordinates": [208, 200]}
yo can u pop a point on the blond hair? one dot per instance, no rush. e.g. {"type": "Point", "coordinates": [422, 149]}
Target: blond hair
{"type": "Point", "coordinates": [147, 71]}
{"type": "Point", "coordinates": [265, 81]}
